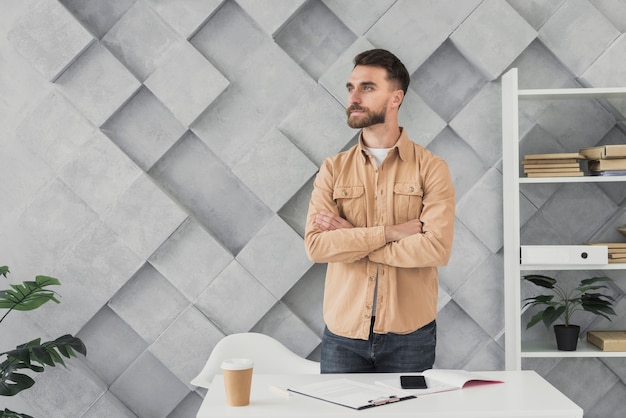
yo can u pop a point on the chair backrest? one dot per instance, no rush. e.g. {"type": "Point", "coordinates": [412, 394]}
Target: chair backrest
{"type": "Point", "coordinates": [269, 356]}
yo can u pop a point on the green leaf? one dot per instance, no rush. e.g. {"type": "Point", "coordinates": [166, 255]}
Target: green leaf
{"type": "Point", "coordinates": [535, 319]}
{"type": "Point", "coordinates": [542, 281]}
{"type": "Point", "coordinates": [551, 314]}
{"type": "Point", "coordinates": [4, 270]}
{"type": "Point", "coordinates": [7, 413]}
{"type": "Point", "coordinates": [29, 295]}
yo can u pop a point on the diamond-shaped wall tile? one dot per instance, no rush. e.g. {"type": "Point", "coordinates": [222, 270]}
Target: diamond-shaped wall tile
{"type": "Point", "coordinates": [485, 194]}
{"type": "Point", "coordinates": [49, 37]}
{"type": "Point", "coordinates": [148, 388]}
{"type": "Point", "coordinates": [109, 406]}
{"type": "Point", "coordinates": [235, 287]}
{"type": "Point", "coordinates": [286, 327]}
{"type": "Point", "coordinates": [274, 169]}
{"type": "Point", "coordinates": [359, 16]}
{"type": "Point", "coordinates": [421, 122]}
{"type": "Point", "coordinates": [97, 84]}
{"type": "Point", "coordinates": [97, 15]}
{"type": "Point", "coordinates": [148, 303]}
{"type": "Point", "coordinates": [536, 12]}
{"type": "Point", "coordinates": [271, 15]}
{"type": "Point", "coordinates": [608, 71]}
{"type": "Point", "coordinates": [314, 38]}
{"type": "Point", "coordinates": [446, 81]}
{"type": "Point", "coordinates": [479, 124]}
{"type": "Point", "coordinates": [305, 298]}
{"type": "Point", "coordinates": [55, 130]}
{"type": "Point", "coordinates": [275, 257]}
{"type": "Point", "coordinates": [103, 335]}
{"type": "Point", "coordinates": [577, 33]}
{"type": "Point", "coordinates": [160, 216]}
{"type": "Point", "coordinates": [144, 129]}
{"type": "Point", "coordinates": [141, 40]}
{"type": "Point", "coordinates": [613, 10]}
{"type": "Point", "coordinates": [186, 83]}
{"type": "Point", "coordinates": [100, 166]}
{"type": "Point", "coordinates": [414, 30]}
{"type": "Point", "coordinates": [194, 331]}
{"type": "Point", "coordinates": [539, 69]}
{"type": "Point", "coordinates": [211, 192]}
{"type": "Point", "coordinates": [493, 36]}
{"type": "Point", "coordinates": [190, 259]}
{"type": "Point", "coordinates": [185, 16]}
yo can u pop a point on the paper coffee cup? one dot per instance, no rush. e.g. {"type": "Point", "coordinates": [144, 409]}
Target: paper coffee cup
{"type": "Point", "coordinates": [237, 380]}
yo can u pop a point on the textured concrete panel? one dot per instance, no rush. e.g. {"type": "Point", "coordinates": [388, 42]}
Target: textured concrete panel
{"type": "Point", "coordinates": [421, 122]}
{"type": "Point", "coordinates": [141, 40]}
{"type": "Point", "coordinates": [447, 81]}
{"type": "Point", "coordinates": [224, 205]}
{"type": "Point", "coordinates": [55, 130]}
{"type": "Point", "coordinates": [314, 38]}
{"type": "Point", "coordinates": [577, 33]}
{"type": "Point", "coordinates": [271, 15]}
{"type": "Point", "coordinates": [97, 84]}
{"type": "Point", "coordinates": [276, 257]}
{"type": "Point", "coordinates": [185, 16]}
{"type": "Point", "coordinates": [190, 259]}
{"type": "Point", "coordinates": [492, 37]}
{"type": "Point", "coordinates": [144, 129]}
{"type": "Point", "coordinates": [148, 388]}
{"type": "Point", "coordinates": [103, 336]}
{"type": "Point", "coordinates": [96, 15]}
{"type": "Point", "coordinates": [414, 30]}
{"type": "Point", "coordinates": [536, 12]}
{"type": "Point", "coordinates": [222, 300]}
{"type": "Point", "coordinates": [148, 303]}
{"type": "Point", "coordinates": [359, 16]}
{"type": "Point", "coordinates": [188, 92]}
{"type": "Point", "coordinates": [305, 298]}
{"type": "Point", "coordinates": [274, 169]}
{"type": "Point", "coordinates": [159, 215]}
{"type": "Point", "coordinates": [49, 38]}
{"type": "Point", "coordinates": [613, 10]}
{"type": "Point", "coordinates": [100, 166]}
{"type": "Point", "coordinates": [108, 406]}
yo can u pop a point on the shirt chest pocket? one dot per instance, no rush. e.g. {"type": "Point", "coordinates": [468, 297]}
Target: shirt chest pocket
{"type": "Point", "coordinates": [407, 202]}
{"type": "Point", "coordinates": [351, 204]}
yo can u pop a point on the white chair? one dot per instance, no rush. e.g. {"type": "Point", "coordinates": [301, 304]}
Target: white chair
{"type": "Point", "coordinates": [269, 356]}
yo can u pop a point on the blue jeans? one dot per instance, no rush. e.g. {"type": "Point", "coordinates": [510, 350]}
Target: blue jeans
{"type": "Point", "coordinates": [381, 353]}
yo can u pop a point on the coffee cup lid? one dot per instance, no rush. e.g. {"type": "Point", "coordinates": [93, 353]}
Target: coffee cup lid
{"type": "Point", "coordinates": [237, 364]}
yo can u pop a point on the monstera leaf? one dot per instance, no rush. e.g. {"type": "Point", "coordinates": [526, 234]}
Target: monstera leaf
{"type": "Point", "coordinates": [28, 295]}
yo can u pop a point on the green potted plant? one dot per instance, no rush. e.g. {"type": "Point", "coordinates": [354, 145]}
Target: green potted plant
{"type": "Point", "coordinates": [33, 355]}
{"type": "Point", "coordinates": [564, 302]}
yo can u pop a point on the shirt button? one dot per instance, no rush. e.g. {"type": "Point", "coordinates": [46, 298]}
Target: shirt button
{"type": "Point", "coordinates": [344, 193]}
{"type": "Point", "coordinates": [372, 278]}
{"type": "Point", "coordinates": [411, 189]}
{"type": "Point", "coordinates": [367, 316]}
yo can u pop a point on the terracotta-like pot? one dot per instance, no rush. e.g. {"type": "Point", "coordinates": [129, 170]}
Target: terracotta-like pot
{"type": "Point", "coordinates": [566, 337]}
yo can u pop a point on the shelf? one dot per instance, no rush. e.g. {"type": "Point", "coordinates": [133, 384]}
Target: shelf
{"type": "Point", "coordinates": [542, 349]}
{"type": "Point", "coordinates": [613, 266]}
{"type": "Point", "coordinates": [575, 93]}
{"type": "Point", "coordinates": [584, 179]}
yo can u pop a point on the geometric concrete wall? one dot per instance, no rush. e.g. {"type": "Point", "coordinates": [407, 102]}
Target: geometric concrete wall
{"type": "Point", "coordinates": [158, 158]}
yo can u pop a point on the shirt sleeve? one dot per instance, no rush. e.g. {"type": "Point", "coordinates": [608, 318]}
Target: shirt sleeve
{"type": "Point", "coordinates": [433, 247]}
{"type": "Point", "coordinates": [341, 245]}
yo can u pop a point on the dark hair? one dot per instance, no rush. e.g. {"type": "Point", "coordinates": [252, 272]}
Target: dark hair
{"type": "Point", "coordinates": [396, 71]}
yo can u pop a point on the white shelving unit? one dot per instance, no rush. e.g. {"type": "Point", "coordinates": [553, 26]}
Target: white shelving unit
{"type": "Point", "coordinates": [516, 348]}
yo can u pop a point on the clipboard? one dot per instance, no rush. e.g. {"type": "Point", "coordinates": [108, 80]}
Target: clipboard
{"type": "Point", "coordinates": [352, 394]}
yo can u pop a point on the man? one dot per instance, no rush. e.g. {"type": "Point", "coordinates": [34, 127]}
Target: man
{"type": "Point", "coordinates": [382, 216]}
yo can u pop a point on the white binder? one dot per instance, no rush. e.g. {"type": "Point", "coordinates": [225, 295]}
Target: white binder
{"type": "Point", "coordinates": [565, 254]}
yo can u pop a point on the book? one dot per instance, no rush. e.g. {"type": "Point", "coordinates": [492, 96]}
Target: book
{"type": "Point", "coordinates": [604, 152]}
{"type": "Point", "coordinates": [603, 165]}
{"type": "Point", "coordinates": [540, 162]}
{"type": "Point", "coordinates": [556, 174]}
{"type": "Point", "coordinates": [608, 340]}
{"type": "Point", "coordinates": [555, 156]}
{"type": "Point", "coordinates": [536, 166]}
{"type": "Point", "coordinates": [551, 170]}
{"type": "Point", "coordinates": [352, 394]}
{"type": "Point", "coordinates": [442, 380]}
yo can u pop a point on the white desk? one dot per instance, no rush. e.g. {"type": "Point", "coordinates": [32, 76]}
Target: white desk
{"type": "Point", "coordinates": [523, 394]}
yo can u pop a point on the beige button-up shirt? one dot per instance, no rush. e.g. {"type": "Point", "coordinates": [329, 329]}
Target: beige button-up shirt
{"type": "Point", "coordinates": [412, 183]}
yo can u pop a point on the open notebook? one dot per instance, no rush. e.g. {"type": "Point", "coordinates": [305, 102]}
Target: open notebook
{"type": "Point", "coordinates": [441, 380]}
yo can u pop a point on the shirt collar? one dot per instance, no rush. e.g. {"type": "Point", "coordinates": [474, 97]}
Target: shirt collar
{"type": "Point", "coordinates": [402, 145]}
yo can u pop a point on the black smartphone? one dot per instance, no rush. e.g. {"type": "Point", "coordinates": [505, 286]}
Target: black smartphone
{"type": "Point", "coordinates": [413, 382]}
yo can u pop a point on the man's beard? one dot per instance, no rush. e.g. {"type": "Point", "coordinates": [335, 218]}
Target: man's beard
{"type": "Point", "coordinates": [365, 120]}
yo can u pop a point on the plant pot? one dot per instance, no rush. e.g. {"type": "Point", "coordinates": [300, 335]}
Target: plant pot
{"type": "Point", "coordinates": [566, 337]}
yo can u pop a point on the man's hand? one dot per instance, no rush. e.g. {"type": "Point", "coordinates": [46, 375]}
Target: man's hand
{"type": "Point", "coordinates": [397, 232]}
{"type": "Point", "coordinates": [328, 221]}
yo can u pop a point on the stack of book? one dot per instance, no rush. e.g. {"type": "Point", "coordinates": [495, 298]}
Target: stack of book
{"type": "Point", "coordinates": [617, 250]}
{"type": "Point", "coordinates": [553, 165]}
{"type": "Point", "coordinates": [606, 160]}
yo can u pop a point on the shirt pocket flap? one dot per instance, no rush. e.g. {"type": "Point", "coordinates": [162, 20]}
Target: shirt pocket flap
{"type": "Point", "coordinates": [409, 189]}
{"type": "Point", "coordinates": [348, 192]}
